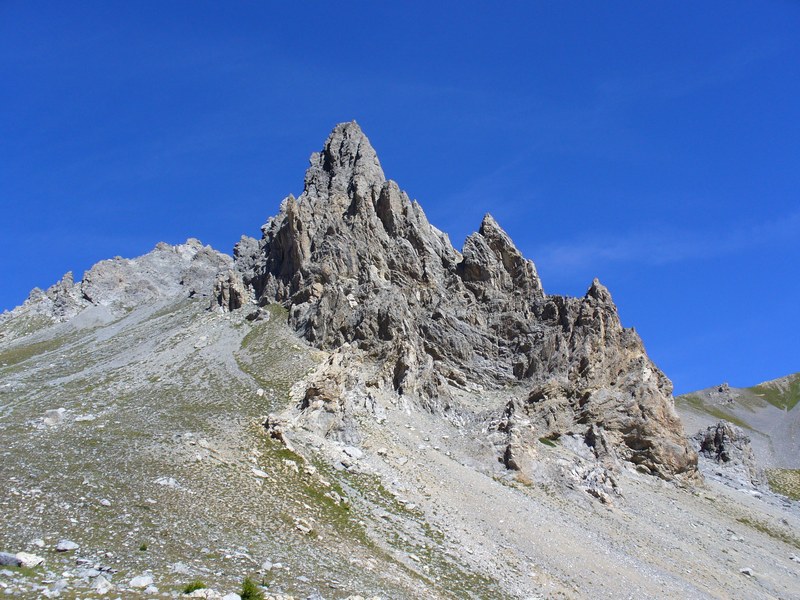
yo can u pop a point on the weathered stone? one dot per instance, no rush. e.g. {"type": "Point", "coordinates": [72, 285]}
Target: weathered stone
{"type": "Point", "coordinates": [730, 448]}
{"type": "Point", "coordinates": [9, 560]}
{"type": "Point", "coordinates": [230, 292]}
{"type": "Point", "coordinates": [66, 546]}
{"type": "Point", "coordinates": [54, 416]}
{"type": "Point", "coordinates": [208, 593]}
{"type": "Point", "coordinates": [141, 581]}
{"type": "Point", "coordinates": [183, 270]}
{"type": "Point", "coordinates": [365, 275]}
{"type": "Point", "coordinates": [29, 561]}
{"type": "Point", "coordinates": [102, 586]}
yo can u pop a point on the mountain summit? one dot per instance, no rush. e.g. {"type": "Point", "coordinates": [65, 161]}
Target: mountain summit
{"type": "Point", "coordinates": [365, 275]}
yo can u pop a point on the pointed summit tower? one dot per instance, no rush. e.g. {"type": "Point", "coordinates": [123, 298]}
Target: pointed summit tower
{"type": "Point", "coordinates": [346, 167]}
{"type": "Point", "coordinates": [366, 277]}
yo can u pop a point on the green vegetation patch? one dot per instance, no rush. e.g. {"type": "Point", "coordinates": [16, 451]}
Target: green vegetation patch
{"type": "Point", "coordinates": [695, 402]}
{"type": "Point", "coordinates": [22, 325]}
{"type": "Point", "coordinates": [19, 354]}
{"type": "Point", "coordinates": [770, 530]}
{"type": "Point", "coordinates": [193, 586]}
{"type": "Point", "coordinates": [443, 572]}
{"type": "Point", "coordinates": [780, 397]}
{"type": "Point", "coordinates": [251, 590]}
{"type": "Point", "coordinates": [272, 357]}
{"type": "Point", "coordinates": [785, 482]}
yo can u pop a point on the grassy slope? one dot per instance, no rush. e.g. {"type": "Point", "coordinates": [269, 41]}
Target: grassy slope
{"type": "Point", "coordinates": [783, 393]}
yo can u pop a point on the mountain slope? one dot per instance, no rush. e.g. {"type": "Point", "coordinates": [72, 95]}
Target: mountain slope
{"type": "Point", "coordinates": [230, 418]}
{"type": "Point", "coordinates": [768, 411]}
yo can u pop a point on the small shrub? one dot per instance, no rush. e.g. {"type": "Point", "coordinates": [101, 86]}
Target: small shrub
{"type": "Point", "coordinates": [143, 547]}
{"type": "Point", "coordinates": [194, 585]}
{"type": "Point", "coordinates": [547, 442]}
{"type": "Point", "coordinates": [250, 590]}
{"type": "Point", "coordinates": [523, 479]}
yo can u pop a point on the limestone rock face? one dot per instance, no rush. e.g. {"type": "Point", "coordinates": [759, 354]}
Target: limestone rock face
{"type": "Point", "coordinates": [166, 271]}
{"type": "Point", "coordinates": [729, 447]}
{"type": "Point", "coordinates": [230, 292]}
{"type": "Point", "coordinates": [357, 263]}
{"type": "Point", "coordinates": [187, 269]}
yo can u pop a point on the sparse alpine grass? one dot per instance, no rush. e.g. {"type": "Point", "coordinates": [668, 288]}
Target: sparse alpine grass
{"type": "Point", "coordinates": [694, 401]}
{"type": "Point", "coordinates": [251, 590]}
{"type": "Point", "coordinates": [785, 398]}
{"type": "Point", "coordinates": [785, 482]}
{"type": "Point", "coordinates": [770, 530]}
{"type": "Point", "coordinates": [193, 586]}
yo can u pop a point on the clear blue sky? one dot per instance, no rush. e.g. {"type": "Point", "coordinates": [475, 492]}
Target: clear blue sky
{"type": "Point", "coordinates": [655, 145]}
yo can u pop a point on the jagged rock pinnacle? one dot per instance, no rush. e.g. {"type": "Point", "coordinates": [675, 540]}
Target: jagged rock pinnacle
{"type": "Point", "coordinates": [359, 267]}
{"type": "Point", "coordinates": [346, 166]}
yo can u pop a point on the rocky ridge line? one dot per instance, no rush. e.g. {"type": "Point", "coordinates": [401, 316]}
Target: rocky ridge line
{"type": "Point", "coordinates": [119, 284]}
{"type": "Point", "coordinates": [366, 276]}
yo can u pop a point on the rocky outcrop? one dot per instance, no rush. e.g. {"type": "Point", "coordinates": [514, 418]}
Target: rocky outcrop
{"type": "Point", "coordinates": [230, 292]}
{"type": "Point", "coordinates": [358, 265]}
{"type": "Point", "coordinates": [729, 448]}
{"type": "Point", "coordinates": [600, 383]}
{"type": "Point", "coordinates": [186, 269]}
{"type": "Point", "coordinates": [119, 284]}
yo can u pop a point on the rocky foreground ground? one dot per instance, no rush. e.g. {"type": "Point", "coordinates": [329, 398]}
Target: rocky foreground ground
{"type": "Point", "coordinates": [159, 466]}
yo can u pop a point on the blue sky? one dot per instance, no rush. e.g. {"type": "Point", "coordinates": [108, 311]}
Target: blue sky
{"type": "Point", "coordinates": [655, 145]}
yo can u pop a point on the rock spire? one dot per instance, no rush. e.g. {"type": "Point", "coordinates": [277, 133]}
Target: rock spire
{"type": "Point", "coordinates": [359, 266]}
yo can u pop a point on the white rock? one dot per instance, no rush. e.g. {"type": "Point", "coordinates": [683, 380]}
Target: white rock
{"type": "Point", "coordinates": [260, 473]}
{"type": "Point", "coordinates": [102, 586]}
{"type": "Point", "coordinates": [105, 502]}
{"type": "Point", "coordinates": [231, 596]}
{"type": "Point", "coordinates": [66, 546]}
{"type": "Point", "coordinates": [205, 593]}
{"type": "Point", "coordinates": [29, 561]}
{"type": "Point", "coordinates": [304, 526]}
{"type": "Point", "coordinates": [54, 416]}
{"type": "Point", "coordinates": [141, 581]}
{"type": "Point", "coordinates": [353, 452]}
{"type": "Point", "coordinates": [168, 482]}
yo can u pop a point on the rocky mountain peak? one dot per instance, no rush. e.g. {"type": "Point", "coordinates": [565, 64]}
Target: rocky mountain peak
{"type": "Point", "coordinates": [346, 167]}
{"type": "Point", "coordinates": [365, 276]}
{"type": "Point", "coordinates": [599, 292]}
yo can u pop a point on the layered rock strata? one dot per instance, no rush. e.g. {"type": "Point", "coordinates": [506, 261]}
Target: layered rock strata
{"type": "Point", "coordinates": [359, 267]}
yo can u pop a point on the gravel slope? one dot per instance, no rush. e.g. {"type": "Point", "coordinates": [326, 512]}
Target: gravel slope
{"type": "Point", "coordinates": [159, 465]}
